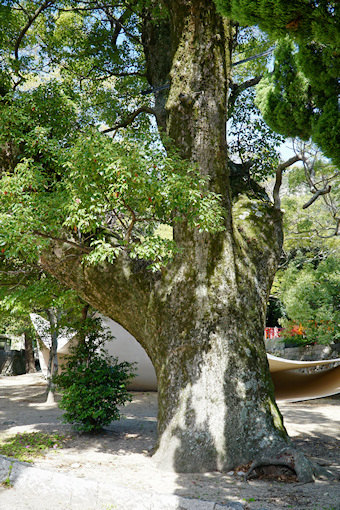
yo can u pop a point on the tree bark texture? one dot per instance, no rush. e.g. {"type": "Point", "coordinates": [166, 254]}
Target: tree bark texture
{"type": "Point", "coordinates": [202, 319]}
{"type": "Point", "coordinates": [29, 354]}
{"type": "Point", "coordinates": [52, 367]}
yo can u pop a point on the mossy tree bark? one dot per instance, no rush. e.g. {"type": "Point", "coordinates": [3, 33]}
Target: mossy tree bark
{"type": "Point", "coordinates": [202, 319]}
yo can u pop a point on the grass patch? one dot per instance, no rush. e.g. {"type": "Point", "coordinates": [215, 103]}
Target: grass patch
{"type": "Point", "coordinates": [7, 483]}
{"type": "Point", "coordinates": [27, 446]}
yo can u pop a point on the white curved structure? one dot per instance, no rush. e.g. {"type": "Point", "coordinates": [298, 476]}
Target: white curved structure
{"type": "Point", "coordinates": [290, 386]}
{"type": "Point", "coordinates": [125, 347]}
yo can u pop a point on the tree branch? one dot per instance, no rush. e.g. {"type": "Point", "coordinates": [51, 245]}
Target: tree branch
{"type": "Point", "coordinates": [85, 249]}
{"type": "Point", "coordinates": [132, 223]}
{"type": "Point", "coordinates": [109, 74]}
{"type": "Point", "coordinates": [278, 181]}
{"type": "Point", "coordinates": [17, 284]}
{"type": "Point", "coordinates": [131, 118]}
{"type": "Point", "coordinates": [120, 26]}
{"type": "Point", "coordinates": [316, 195]}
{"type": "Point", "coordinates": [236, 90]}
{"type": "Point", "coordinates": [31, 20]}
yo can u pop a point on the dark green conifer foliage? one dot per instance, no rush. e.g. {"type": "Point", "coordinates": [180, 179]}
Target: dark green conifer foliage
{"type": "Point", "coordinates": [300, 97]}
{"type": "Point", "coordinates": [284, 95]}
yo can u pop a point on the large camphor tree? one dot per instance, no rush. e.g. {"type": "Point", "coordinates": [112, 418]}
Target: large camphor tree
{"type": "Point", "coordinates": [89, 205]}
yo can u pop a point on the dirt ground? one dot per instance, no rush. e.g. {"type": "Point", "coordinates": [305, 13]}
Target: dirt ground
{"type": "Point", "coordinates": [122, 454]}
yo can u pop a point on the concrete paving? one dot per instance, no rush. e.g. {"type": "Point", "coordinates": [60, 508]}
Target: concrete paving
{"type": "Point", "coordinates": [114, 473]}
{"type": "Point", "coordinates": [32, 488]}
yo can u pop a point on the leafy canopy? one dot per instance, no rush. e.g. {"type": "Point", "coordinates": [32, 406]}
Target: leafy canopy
{"type": "Point", "coordinates": [300, 97]}
{"type": "Point", "coordinates": [68, 72]}
{"type": "Point", "coordinates": [112, 194]}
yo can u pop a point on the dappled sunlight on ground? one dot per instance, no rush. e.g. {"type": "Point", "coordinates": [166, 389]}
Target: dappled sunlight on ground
{"type": "Point", "coordinates": [122, 454]}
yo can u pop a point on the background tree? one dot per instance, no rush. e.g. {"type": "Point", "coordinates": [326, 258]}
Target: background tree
{"type": "Point", "coordinates": [26, 289]}
{"type": "Point", "coordinates": [15, 318]}
{"type": "Point", "coordinates": [307, 282]}
{"type": "Point", "coordinates": [299, 98]}
{"type": "Point", "coordinates": [310, 294]}
{"type": "Point", "coordinates": [18, 326]}
{"type": "Point", "coordinates": [95, 204]}
{"type": "Point", "coordinates": [311, 201]}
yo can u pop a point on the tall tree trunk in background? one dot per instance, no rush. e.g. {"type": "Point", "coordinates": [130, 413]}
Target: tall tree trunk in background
{"type": "Point", "coordinates": [29, 353]}
{"type": "Point", "coordinates": [52, 367]}
{"type": "Point", "coordinates": [82, 332]}
{"type": "Point", "coordinates": [202, 319]}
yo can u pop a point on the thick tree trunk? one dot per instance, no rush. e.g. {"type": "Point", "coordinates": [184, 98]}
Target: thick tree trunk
{"type": "Point", "coordinates": [202, 319]}
{"type": "Point", "coordinates": [216, 399]}
{"type": "Point", "coordinates": [202, 324]}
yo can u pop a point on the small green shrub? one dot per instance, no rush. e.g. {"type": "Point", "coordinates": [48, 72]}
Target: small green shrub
{"type": "Point", "coordinates": [93, 384]}
{"type": "Point", "coordinates": [26, 446]}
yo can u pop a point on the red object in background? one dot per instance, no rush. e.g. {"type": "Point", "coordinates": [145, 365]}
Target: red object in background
{"type": "Point", "coordinates": [272, 332]}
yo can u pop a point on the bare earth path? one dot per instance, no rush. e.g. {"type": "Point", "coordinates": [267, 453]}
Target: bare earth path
{"type": "Point", "coordinates": [123, 454]}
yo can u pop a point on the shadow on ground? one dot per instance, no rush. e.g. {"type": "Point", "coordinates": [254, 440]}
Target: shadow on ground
{"type": "Point", "coordinates": [314, 427]}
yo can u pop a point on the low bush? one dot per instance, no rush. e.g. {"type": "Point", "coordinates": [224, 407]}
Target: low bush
{"type": "Point", "coordinates": [93, 383]}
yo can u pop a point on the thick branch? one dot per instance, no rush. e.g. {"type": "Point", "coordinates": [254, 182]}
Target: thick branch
{"type": "Point", "coordinates": [121, 290]}
{"type": "Point", "coordinates": [85, 249]}
{"type": "Point", "coordinates": [316, 195]}
{"type": "Point", "coordinates": [157, 44]}
{"type": "Point", "coordinates": [130, 119]}
{"type": "Point", "coordinates": [278, 181]}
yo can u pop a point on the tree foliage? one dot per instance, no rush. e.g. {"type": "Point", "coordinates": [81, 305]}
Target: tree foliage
{"type": "Point", "coordinates": [62, 179]}
{"type": "Point", "coordinates": [111, 195]}
{"type": "Point", "coordinates": [250, 141]}
{"type": "Point", "coordinates": [310, 293]}
{"type": "Point", "coordinates": [26, 289]}
{"type": "Point", "coordinates": [311, 201]}
{"type": "Point", "coordinates": [307, 284]}
{"type": "Point", "coordinates": [300, 97]}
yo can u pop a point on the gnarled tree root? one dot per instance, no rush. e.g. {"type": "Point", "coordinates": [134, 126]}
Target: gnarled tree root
{"type": "Point", "coordinates": [288, 461]}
